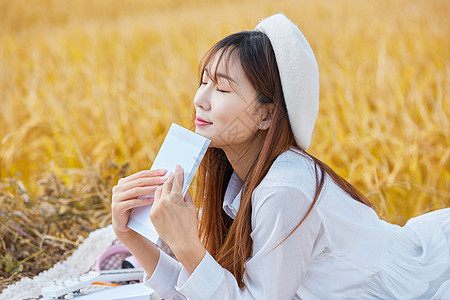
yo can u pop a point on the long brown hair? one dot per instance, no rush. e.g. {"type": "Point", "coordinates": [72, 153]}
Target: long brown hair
{"type": "Point", "coordinates": [228, 240]}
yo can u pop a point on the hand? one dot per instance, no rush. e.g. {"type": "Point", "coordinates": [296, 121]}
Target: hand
{"type": "Point", "coordinates": [175, 220]}
{"type": "Point", "coordinates": [125, 196]}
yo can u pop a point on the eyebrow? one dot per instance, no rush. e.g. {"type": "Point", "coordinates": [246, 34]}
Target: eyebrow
{"type": "Point", "coordinates": [221, 75]}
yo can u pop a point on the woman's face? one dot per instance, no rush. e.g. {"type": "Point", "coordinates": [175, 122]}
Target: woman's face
{"type": "Point", "coordinates": [229, 106]}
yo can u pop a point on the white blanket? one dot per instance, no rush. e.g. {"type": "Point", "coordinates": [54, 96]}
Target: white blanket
{"type": "Point", "coordinates": [81, 261]}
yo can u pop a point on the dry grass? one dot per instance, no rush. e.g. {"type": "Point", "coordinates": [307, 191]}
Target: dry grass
{"type": "Point", "coordinates": [88, 86]}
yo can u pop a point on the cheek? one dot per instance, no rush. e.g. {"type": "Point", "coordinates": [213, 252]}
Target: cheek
{"type": "Point", "coordinates": [223, 110]}
{"type": "Point", "coordinates": [227, 110]}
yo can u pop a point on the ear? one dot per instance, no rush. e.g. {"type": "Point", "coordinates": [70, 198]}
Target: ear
{"type": "Point", "coordinates": [267, 120]}
{"type": "Point", "coordinates": [265, 124]}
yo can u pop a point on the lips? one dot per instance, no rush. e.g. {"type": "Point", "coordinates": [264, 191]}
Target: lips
{"type": "Point", "coordinates": [201, 122]}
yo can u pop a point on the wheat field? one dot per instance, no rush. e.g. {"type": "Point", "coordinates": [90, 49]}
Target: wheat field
{"type": "Point", "coordinates": [88, 90]}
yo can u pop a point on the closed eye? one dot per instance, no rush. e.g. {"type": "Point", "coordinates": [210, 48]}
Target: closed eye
{"type": "Point", "coordinates": [217, 89]}
{"type": "Point", "coordinates": [222, 91]}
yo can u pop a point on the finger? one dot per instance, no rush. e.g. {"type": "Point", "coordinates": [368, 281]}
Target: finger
{"type": "Point", "coordinates": [134, 193]}
{"type": "Point", "coordinates": [177, 186]}
{"type": "Point", "coordinates": [129, 204]}
{"type": "Point", "coordinates": [140, 182]}
{"type": "Point", "coordinates": [157, 194]}
{"type": "Point", "coordinates": [167, 186]}
{"type": "Point", "coordinates": [142, 174]}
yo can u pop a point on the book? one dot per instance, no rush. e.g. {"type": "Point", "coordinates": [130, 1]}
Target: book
{"type": "Point", "coordinates": [180, 146]}
{"type": "Point", "coordinates": [138, 291]}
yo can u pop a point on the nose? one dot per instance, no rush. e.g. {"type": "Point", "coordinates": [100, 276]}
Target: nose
{"type": "Point", "coordinates": [202, 97]}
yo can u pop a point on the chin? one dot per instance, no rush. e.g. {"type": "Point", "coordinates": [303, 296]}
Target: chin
{"type": "Point", "coordinates": [199, 132]}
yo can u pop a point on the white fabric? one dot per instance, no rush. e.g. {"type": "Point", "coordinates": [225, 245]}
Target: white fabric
{"type": "Point", "coordinates": [81, 261]}
{"type": "Point", "coordinates": [341, 251]}
{"type": "Point", "coordinates": [298, 72]}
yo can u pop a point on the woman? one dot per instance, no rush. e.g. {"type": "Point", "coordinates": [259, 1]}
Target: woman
{"type": "Point", "coordinates": [274, 222]}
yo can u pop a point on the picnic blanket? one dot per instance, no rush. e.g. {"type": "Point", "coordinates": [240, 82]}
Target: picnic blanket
{"type": "Point", "coordinates": [81, 261]}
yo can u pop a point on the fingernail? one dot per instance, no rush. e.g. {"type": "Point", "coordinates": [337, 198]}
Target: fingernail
{"type": "Point", "coordinates": [161, 170]}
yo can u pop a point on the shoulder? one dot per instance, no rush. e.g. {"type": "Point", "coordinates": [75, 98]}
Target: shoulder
{"type": "Point", "coordinates": [293, 156]}
{"type": "Point", "coordinates": [292, 169]}
{"type": "Point", "coordinates": [290, 183]}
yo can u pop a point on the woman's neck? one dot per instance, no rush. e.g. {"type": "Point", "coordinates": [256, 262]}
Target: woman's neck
{"type": "Point", "coordinates": [243, 156]}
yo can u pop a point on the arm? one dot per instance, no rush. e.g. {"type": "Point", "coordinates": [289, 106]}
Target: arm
{"type": "Point", "coordinates": [161, 270]}
{"type": "Point", "coordinates": [272, 272]}
{"type": "Point", "coordinates": [142, 249]}
{"type": "Point", "coordinates": [156, 263]}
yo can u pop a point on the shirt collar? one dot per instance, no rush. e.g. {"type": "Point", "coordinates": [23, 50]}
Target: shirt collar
{"type": "Point", "coordinates": [232, 197]}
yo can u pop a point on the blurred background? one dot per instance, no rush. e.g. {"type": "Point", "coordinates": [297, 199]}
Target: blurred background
{"type": "Point", "coordinates": [88, 90]}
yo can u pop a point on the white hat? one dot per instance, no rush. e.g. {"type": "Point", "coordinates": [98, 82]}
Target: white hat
{"type": "Point", "coordinates": [298, 72]}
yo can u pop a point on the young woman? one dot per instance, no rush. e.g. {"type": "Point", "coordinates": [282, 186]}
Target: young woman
{"type": "Point", "coordinates": [270, 220]}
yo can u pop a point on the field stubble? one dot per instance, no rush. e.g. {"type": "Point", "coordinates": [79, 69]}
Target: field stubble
{"type": "Point", "coordinates": [89, 89]}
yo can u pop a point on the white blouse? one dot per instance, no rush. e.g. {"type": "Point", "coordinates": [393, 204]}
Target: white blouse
{"type": "Point", "coordinates": [341, 251]}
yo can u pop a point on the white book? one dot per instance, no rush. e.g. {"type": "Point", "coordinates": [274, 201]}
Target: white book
{"type": "Point", "coordinates": [181, 146]}
{"type": "Point", "coordinates": [137, 291]}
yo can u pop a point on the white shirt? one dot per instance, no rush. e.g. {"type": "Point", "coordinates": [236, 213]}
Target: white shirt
{"type": "Point", "coordinates": [337, 252]}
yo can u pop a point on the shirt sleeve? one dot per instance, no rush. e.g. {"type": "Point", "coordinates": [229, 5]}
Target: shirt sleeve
{"type": "Point", "coordinates": [275, 270]}
{"type": "Point", "coordinates": [164, 278]}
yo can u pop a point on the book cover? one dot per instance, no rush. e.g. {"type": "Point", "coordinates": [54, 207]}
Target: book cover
{"type": "Point", "coordinates": [180, 146]}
